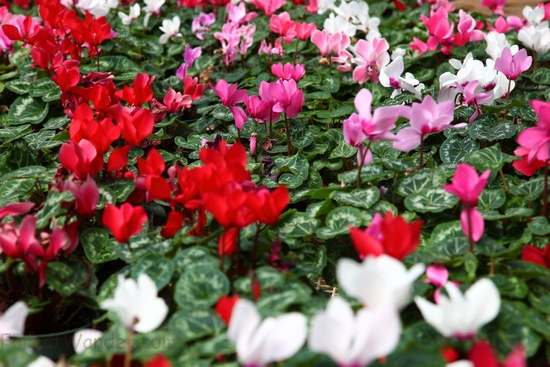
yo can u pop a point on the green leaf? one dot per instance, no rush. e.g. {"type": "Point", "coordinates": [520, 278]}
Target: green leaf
{"type": "Point", "coordinates": [267, 277]}
{"type": "Point", "coordinates": [531, 189]}
{"type": "Point", "coordinates": [370, 172]}
{"type": "Point", "coordinates": [489, 158]}
{"type": "Point", "coordinates": [300, 135]}
{"type": "Point", "coordinates": [430, 201]}
{"type": "Point", "coordinates": [527, 270]}
{"type": "Point", "coordinates": [510, 286]}
{"type": "Point", "coordinates": [98, 247]}
{"type": "Point", "coordinates": [541, 76]}
{"type": "Point", "coordinates": [296, 225]}
{"type": "Point", "coordinates": [296, 164]}
{"type": "Point", "coordinates": [274, 303]}
{"type": "Point", "coordinates": [360, 198]}
{"type": "Point", "coordinates": [455, 149]}
{"type": "Point", "coordinates": [42, 87]}
{"type": "Point", "coordinates": [290, 181]}
{"type": "Point", "coordinates": [491, 199]}
{"type": "Point", "coordinates": [159, 268]}
{"type": "Point", "coordinates": [26, 109]}
{"type": "Point", "coordinates": [339, 220]}
{"type": "Point", "coordinates": [9, 133]}
{"type": "Point", "coordinates": [53, 207]}
{"type": "Point", "coordinates": [195, 324]}
{"type": "Point", "coordinates": [193, 258]}
{"type": "Point", "coordinates": [113, 64]}
{"type": "Point", "coordinates": [487, 127]}
{"type": "Point", "coordinates": [200, 288]}
{"type": "Point", "coordinates": [539, 297]}
{"type": "Point", "coordinates": [18, 86]}
{"type": "Point", "coordinates": [223, 113]}
{"type": "Point", "coordinates": [448, 239]}
{"type": "Point", "coordinates": [66, 279]}
{"type": "Point", "coordinates": [421, 180]}
{"type": "Point", "coordinates": [510, 330]}
{"type": "Point", "coordinates": [42, 140]}
{"type": "Point", "coordinates": [539, 226]}
{"type": "Point", "coordinates": [342, 150]}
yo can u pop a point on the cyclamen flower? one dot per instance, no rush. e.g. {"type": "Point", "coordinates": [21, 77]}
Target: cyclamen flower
{"type": "Point", "coordinates": [425, 118]}
{"type": "Point", "coordinates": [370, 58]}
{"type": "Point", "coordinates": [98, 8]}
{"type": "Point", "coordinates": [135, 10]}
{"type": "Point", "coordinates": [268, 6]}
{"type": "Point", "coordinates": [354, 339]}
{"type": "Point", "coordinates": [496, 6]}
{"type": "Point", "coordinates": [537, 255]}
{"type": "Point", "coordinates": [288, 71]}
{"type": "Point", "coordinates": [462, 315]}
{"type": "Point", "coordinates": [380, 281]}
{"type": "Point", "coordinates": [124, 221]}
{"type": "Point", "coordinates": [259, 343]}
{"type": "Point", "coordinates": [513, 65]}
{"type": "Point", "coordinates": [230, 96]}
{"type": "Point", "coordinates": [289, 98]}
{"type": "Point", "coordinates": [170, 28]}
{"type": "Point", "coordinates": [536, 140]}
{"type": "Point", "coordinates": [388, 235]}
{"type": "Point", "coordinates": [201, 24]}
{"type": "Point", "coordinates": [330, 42]}
{"type": "Point", "coordinates": [152, 7]}
{"type": "Point", "coordinates": [537, 38]}
{"type": "Point", "coordinates": [137, 304]}
{"type": "Point", "coordinates": [468, 186]}
{"type": "Point", "coordinates": [390, 76]}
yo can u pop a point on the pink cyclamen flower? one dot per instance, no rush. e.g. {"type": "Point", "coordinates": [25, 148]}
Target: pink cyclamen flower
{"type": "Point", "coordinates": [468, 186]}
{"type": "Point", "coordinates": [370, 58]}
{"type": "Point", "coordinates": [425, 118]}
{"type": "Point", "coordinates": [176, 102]}
{"type": "Point", "coordinates": [283, 25]}
{"type": "Point", "coordinates": [290, 99]}
{"type": "Point", "coordinates": [513, 65]}
{"type": "Point", "coordinates": [268, 6]}
{"type": "Point", "coordinates": [374, 127]}
{"type": "Point", "coordinates": [440, 29]}
{"type": "Point", "coordinates": [230, 96]}
{"type": "Point", "coordinates": [304, 30]}
{"type": "Point", "coordinates": [260, 110]}
{"type": "Point", "coordinates": [496, 6]}
{"type": "Point", "coordinates": [330, 42]}
{"type": "Point", "coordinates": [237, 14]}
{"type": "Point", "coordinates": [537, 139]}
{"type": "Point", "coordinates": [201, 24]}
{"type": "Point", "coordinates": [288, 71]}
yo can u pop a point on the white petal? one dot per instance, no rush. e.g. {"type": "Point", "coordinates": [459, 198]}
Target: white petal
{"type": "Point", "coordinates": [151, 316]}
{"type": "Point", "coordinates": [348, 274]}
{"type": "Point", "coordinates": [382, 328]}
{"type": "Point", "coordinates": [42, 362]}
{"type": "Point", "coordinates": [12, 322]}
{"type": "Point", "coordinates": [284, 339]}
{"type": "Point", "coordinates": [245, 319]}
{"type": "Point", "coordinates": [433, 315]}
{"type": "Point", "coordinates": [484, 300]}
{"type": "Point", "coordinates": [85, 338]}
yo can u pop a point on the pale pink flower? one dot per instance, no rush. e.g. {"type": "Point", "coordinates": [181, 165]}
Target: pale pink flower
{"type": "Point", "coordinates": [370, 58]}
{"type": "Point", "coordinates": [201, 24]}
{"type": "Point", "coordinates": [237, 13]}
{"type": "Point", "coordinates": [513, 65]}
{"type": "Point", "coordinates": [329, 42]}
{"type": "Point", "coordinates": [425, 118]}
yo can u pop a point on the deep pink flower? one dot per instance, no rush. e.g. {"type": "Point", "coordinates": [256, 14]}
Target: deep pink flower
{"type": "Point", "coordinates": [260, 110]}
{"type": "Point", "coordinates": [16, 209]}
{"type": "Point", "coordinates": [522, 165]}
{"type": "Point", "coordinates": [496, 6]}
{"type": "Point", "coordinates": [230, 96]}
{"type": "Point", "coordinates": [513, 65]}
{"type": "Point", "coordinates": [425, 118]}
{"type": "Point", "coordinates": [290, 99]}
{"type": "Point", "coordinates": [468, 185]}
{"type": "Point", "coordinates": [288, 71]}
{"type": "Point", "coordinates": [304, 30]}
{"type": "Point", "coordinates": [283, 25]}
{"type": "Point", "coordinates": [537, 139]}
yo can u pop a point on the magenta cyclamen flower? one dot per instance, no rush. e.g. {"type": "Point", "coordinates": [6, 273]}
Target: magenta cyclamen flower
{"type": "Point", "coordinates": [230, 96]}
{"type": "Point", "coordinates": [468, 185]}
{"type": "Point", "coordinates": [289, 98]}
{"type": "Point", "coordinates": [201, 24]}
{"type": "Point", "coordinates": [536, 140]}
{"type": "Point", "coordinates": [425, 118]}
{"type": "Point", "coordinates": [513, 65]}
{"type": "Point", "coordinates": [370, 58]}
{"type": "Point", "coordinates": [288, 71]}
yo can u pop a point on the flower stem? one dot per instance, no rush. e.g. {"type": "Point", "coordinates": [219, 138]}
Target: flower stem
{"type": "Point", "coordinates": [421, 164]}
{"type": "Point", "coordinates": [470, 241]}
{"type": "Point", "coordinates": [128, 354]}
{"type": "Point", "coordinates": [545, 193]}
{"type": "Point", "coordinates": [504, 183]}
{"type": "Point", "coordinates": [360, 163]}
{"type": "Point", "coordinates": [287, 136]}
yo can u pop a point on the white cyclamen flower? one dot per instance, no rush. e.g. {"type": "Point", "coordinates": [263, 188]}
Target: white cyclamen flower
{"type": "Point", "coordinates": [152, 7]}
{"type": "Point", "coordinates": [537, 38]}
{"type": "Point", "coordinates": [339, 24]}
{"type": "Point", "coordinates": [135, 10]}
{"type": "Point", "coordinates": [171, 28]}
{"type": "Point", "coordinates": [390, 76]}
{"type": "Point", "coordinates": [12, 322]}
{"type": "Point", "coordinates": [137, 304]}
{"type": "Point", "coordinates": [462, 315]}
{"type": "Point", "coordinates": [98, 8]}
{"type": "Point", "coordinates": [259, 343]}
{"type": "Point", "coordinates": [42, 362]}
{"type": "Point", "coordinates": [354, 340]}
{"type": "Point", "coordinates": [380, 281]}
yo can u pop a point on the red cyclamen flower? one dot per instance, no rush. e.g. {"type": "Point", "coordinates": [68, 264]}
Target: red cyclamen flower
{"type": "Point", "coordinates": [124, 221]}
